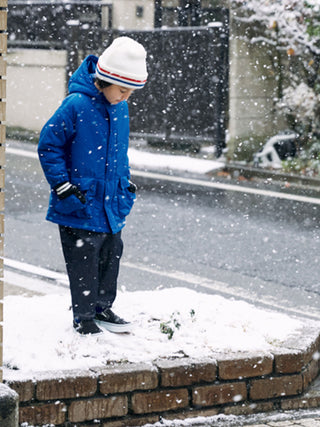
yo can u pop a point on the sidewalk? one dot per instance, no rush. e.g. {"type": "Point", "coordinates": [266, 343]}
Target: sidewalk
{"type": "Point", "coordinates": [303, 422]}
{"type": "Point", "coordinates": [306, 422]}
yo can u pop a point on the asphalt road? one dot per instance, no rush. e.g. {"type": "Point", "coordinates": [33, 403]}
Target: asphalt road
{"type": "Point", "coordinates": [262, 249]}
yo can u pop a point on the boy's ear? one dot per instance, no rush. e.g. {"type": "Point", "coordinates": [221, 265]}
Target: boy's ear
{"type": "Point", "coordinates": [96, 83]}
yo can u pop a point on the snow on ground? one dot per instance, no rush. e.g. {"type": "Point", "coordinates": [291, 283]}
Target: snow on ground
{"type": "Point", "coordinates": [38, 333]}
{"type": "Point", "coordinates": [167, 162]}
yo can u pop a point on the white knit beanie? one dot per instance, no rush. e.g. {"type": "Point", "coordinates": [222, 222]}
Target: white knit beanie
{"type": "Point", "coordinates": [123, 63]}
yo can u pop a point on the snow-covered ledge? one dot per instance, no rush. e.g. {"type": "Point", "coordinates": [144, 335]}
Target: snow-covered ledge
{"type": "Point", "coordinates": [132, 394]}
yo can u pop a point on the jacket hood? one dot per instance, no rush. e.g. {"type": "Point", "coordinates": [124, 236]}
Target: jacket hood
{"type": "Point", "coordinates": [82, 80]}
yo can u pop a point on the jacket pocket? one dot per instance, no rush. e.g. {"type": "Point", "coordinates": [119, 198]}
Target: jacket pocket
{"type": "Point", "coordinates": [124, 198]}
{"type": "Point", "coordinates": [72, 205]}
{"type": "Point", "coordinates": [69, 205]}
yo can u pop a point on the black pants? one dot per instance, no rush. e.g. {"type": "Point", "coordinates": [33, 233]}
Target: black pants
{"type": "Point", "coordinates": [92, 261]}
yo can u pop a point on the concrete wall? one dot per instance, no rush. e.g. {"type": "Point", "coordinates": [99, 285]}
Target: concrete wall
{"type": "Point", "coordinates": [253, 89]}
{"type": "Point", "coordinates": [125, 14]}
{"type": "Point", "coordinates": [9, 407]}
{"type": "Point", "coordinates": [35, 86]}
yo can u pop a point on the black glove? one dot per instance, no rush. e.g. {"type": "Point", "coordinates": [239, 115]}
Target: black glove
{"type": "Point", "coordinates": [132, 187]}
{"type": "Point", "coordinates": [66, 189]}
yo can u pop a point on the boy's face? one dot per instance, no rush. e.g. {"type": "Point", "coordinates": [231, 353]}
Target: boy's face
{"type": "Point", "coordinates": [115, 94]}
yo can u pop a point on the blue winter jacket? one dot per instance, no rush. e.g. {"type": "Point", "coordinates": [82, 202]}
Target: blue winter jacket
{"type": "Point", "coordinates": [86, 142]}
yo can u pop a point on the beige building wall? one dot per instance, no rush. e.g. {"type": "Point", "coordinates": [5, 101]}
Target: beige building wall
{"type": "Point", "coordinates": [252, 90]}
{"type": "Point", "coordinates": [133, 14]}
{"type": "Point", "coordinates": [36, 86]}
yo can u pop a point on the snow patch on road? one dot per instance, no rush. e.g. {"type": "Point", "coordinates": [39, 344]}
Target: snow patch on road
{"type": "Point", "coordinates": [156, 161]}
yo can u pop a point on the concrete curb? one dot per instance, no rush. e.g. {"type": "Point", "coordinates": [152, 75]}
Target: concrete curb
{"type": "Point", "coordinates": [9, 405]}
{"type": "Point", "coordinates": [251, 171]}
{"type": "Point", "coordinates": [267, 176]}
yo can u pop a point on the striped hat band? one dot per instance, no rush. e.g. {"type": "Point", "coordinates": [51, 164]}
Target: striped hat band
{"type": "Point", "coordinates": [118, 79]}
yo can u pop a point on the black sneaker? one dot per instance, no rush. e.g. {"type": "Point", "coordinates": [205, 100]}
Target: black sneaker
{"type": "Point", "coordinates": [86, 327]}
{"type": "Point", "coordinates": [113, 323]}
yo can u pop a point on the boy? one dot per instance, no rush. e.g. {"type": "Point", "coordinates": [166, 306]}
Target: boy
{"type": "Point", "coordinates": [83, 152]}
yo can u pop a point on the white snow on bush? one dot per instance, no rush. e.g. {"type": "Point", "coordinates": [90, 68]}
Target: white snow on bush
{"type": "Point", "coordinates": [38, 332]}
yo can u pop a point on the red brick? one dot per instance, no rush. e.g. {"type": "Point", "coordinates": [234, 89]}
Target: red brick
{"type": "Point", "coordinates": [175, 373]}
{"type": "Point", "coordinates": [310, 373]}
{"type": "Point", "coordinates": [290, 362]}
{"type": "Point", "coordinates": [52, 413]}
{"type": "Point", "coordinates": [67, 387]}
{"type": "Point", "coordinates": [293, 361]}
{"type": "Point", "coordinates": [159, 401]}
{"type": "Point", "coordinates": [219, 394]}
{"type": "Point", "coordinates": [25, 389]}
{"type": "Point", "coordinates": [232, 369]}
{"type": "Point", "coordinates": [90, 409]}
{"type": "Point", "coordinates": [128, 378]}
{"type": "Point", "coordinates": [269, 388]}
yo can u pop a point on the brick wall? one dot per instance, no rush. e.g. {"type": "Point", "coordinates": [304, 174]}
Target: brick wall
{"type": "Point", "coordinates": [136, 394]}
{"type": "Point", "coordinates": [3, 49]}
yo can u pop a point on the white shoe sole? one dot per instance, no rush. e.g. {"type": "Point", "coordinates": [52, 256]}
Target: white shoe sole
{"type": "Point", "coordinates": [117, 329]}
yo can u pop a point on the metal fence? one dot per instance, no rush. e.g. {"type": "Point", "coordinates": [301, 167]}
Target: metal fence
{"type": "Point", "coordinates": [185, 100]}
{"type": "Point", "coordinates": [39, 23]}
